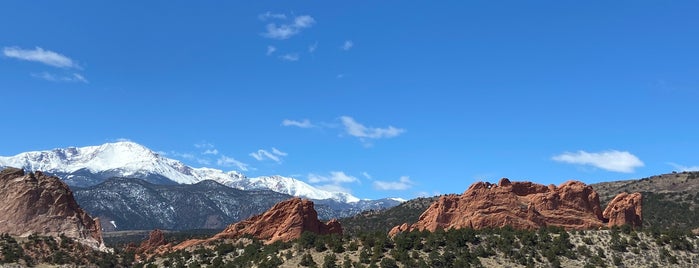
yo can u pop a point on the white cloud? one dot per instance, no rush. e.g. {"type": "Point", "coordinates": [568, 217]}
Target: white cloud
{"type": "Point", "coordinates": [403, 183]}
{"type": "Point", "coordinates": [683, 168]}
{"type": "Point", "coordinates": [269, 15]}
{"type": "Point", "coordinates": [366, 175]}
{"type": "Point", "coordinates": [336, 177]}
{"type": "Point", "coordinates": [334, 188]}
{"type": "Point", "coordinates": [347, 45]}
{"type": "Point", "coordinates": [312, 48]}
{"type": "Point", "coordinates": [262, 155]}
{"type": "Point", "coordinates": [332, 182]}
{"type": "Point", "coordinates": [40, 55]}
{"type": "Point", "coordinates": [226, 161]}
{"type": "Point", "coordinates": [611, 160]}
{"type": "Point", "coordinates": [305, 123]}
{"type": "Point", "coordinates": [204, 145]}
{"type": "Point", "coordinates": [286, 31]}
{"type": "Point", "coordinates": [290, 57]}
{"type": "Point", "coordinates": [356, 129]}
{"type": "Point", "coordinates": [74, 77]}
{"type": "Point", "coordinates": [210, 151]}
{"type": "Point", "coordinates": [427, 194]}
{"type": "Point", "coordinates": [277, 152]}
{"type": "Point", "coordinates": [270, 50]}
{"type": "Point", "coordinates": [187, 156]}
{"type": "Point", "coordinates": [80, 78]}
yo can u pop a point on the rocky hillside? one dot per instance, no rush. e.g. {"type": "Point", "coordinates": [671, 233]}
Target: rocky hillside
{"type": "Point", "coordinates": [383, 220]}
{"type": "Point", "coordinates": [670, 201]}
{"type": "Point", "coordinates": [526, 205]}
{"type": "Point", "coordinates": [506, 247]}
{"type": "Point", "coordinates": [36, 204]}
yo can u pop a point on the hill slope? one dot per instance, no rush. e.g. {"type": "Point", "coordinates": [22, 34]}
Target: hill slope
{"type": "Point", "coordinates": [384, 220]}
{"type": "Point", "coordinates": [669, 200]}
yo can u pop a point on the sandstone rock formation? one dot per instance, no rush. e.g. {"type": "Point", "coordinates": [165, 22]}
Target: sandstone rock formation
{"type": "Point", "coordinates": [156, 238]}
{"type": "Point", "coordinates": [35, 203]}
{"type": "Point", "coordinates": [624, 209]}
{"type": "Point", "coordinates": [523, 205]}
{"type": "Point", "coordinates": [285, 221]}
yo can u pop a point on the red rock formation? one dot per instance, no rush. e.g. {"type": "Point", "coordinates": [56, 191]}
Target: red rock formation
{"type": "Point", "coordinates": [521, 205]}
{"type": "Point", "coordinates": [35, 203]}
{"type": "Point", "coordinates": [156, 238]}
{"type": "Point", "coordinates": [624, 209]}
{"type": "Point", "coordinates": [285, 221]}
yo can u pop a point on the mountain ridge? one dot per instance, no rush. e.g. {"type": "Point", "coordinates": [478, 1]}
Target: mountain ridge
{"type": "Point", "coordinates": [130, 204]}
{"type": "Point", "coordinates": [90, 165]}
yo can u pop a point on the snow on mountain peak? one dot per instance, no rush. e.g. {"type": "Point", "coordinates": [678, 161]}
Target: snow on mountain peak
{"type": "Point", "coordinates": [296, 187]}
{"type": "Point", "coordinates": [125, 158]}
{"type": "Point", "coordinates": [130, 159]}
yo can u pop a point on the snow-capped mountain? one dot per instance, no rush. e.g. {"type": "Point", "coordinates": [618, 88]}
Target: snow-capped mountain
{"type": "Point", "coordinates": [296, 187]}
{"type": "Point", "coordinates": [87, 166]}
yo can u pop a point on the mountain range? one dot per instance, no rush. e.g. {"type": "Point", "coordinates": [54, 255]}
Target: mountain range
{"type": "Point", "coordinates": [129, 186]}
{"type": "Point", "coordinates": [91, 165]}
{"type": "Point", "coordinates": [135, 204]}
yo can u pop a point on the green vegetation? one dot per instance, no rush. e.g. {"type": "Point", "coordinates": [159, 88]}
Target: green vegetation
{"type": "Point", "coordinates": [371, 221]}
{"type": "Point", "coordinates": [59, 250]}
{"type": "Point", "coordinates": [546, 247]}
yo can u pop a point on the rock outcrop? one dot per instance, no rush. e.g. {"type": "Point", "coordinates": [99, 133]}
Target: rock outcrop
{"type": "Point", "coordinates": [523, 205]}
{"type": "Point", "coordinates": [285, 221]}
{"type": "Point", "coordinates": [156, 238]}
{"type": "Point", "coordinates": [35, 203]}
{"type": "Point", "coordinates": [625, 208]}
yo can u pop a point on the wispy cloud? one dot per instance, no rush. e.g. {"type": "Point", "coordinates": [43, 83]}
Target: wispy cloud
{"type": "Point", "coordinates": [74, 77]}
{"type": "Point", "coordinates": [287, 30]}
{"type": "Point", "coordinates": [210, 152]}
{"type": "Point", "coordinates": [354, 128]}
{"type": "Point", "coordinates": [277, 152]}
{"type": "Point", "coordinates": [612, 160]}
{"type": "Point", "coordinates": [347, 45]}
{"type": "Point", "coordinates": [269, 15]}
{"type": "Point", "coordinates": [40, 55]}
{"type": "Point", "coordinates": [203, 145]}
{"type": "Point", "coordinates": [188, 156]}
{"type": "Point", "coordinates": [226, 161]}
{"type": "Point", "coordinates": [682, 168]}
{"type": "Point", "coordinates": [403, 183]}
{"type": "Point", "coordinates": [262, 155]}
{"type": "Point", "coordinates": [332, 182]}
{"type": "Point", "coordinates": [305, 123]}
{"type": "Point", "coordinates": [366, 175]}
{"type": "Point", "coordinates": [427, 194]}
{"type": "Point", "coordinates": [290, 57]}
{"type": "Point", "coordinates": [270, 50]}
{"type": "Point", "coordinates": [312, 48]}
{"type": "Point", "coordinates": [334, 177]}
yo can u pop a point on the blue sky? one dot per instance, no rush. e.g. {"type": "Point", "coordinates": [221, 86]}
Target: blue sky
{"type": "Point", "coordinates": [380, 98]}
